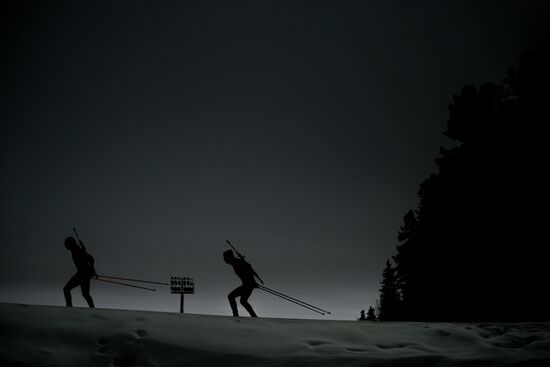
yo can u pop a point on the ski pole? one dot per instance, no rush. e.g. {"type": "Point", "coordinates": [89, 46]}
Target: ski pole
{"type": "Point", "coordinates": [297, 303]}
{"type": "Point", "coordinates": [305, 305]}
{"type": "Point", "coordinates": [290, 300]}
{"type": "Point", "coordinates": [295, 299]}
{"type": "Point", "coordinates": [133, 280]}
{"type": "Point", "coordinates": [127, 285]}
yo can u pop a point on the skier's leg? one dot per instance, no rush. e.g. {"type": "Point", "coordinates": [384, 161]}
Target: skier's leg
{"type": "Point", "coordinates": [247, 291]}
{"type": "Point", "coordinates": [72, 283]}
{"type": "Point", "coordinates": [231, 296]}
{"type": "Point", "coordinates": [85, 288]}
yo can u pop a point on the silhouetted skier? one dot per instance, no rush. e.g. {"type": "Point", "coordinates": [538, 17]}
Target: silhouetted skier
{"type": "Point", "coordinates": [85, 270]}
{"type": "Point", "coordinates": [247, 274]}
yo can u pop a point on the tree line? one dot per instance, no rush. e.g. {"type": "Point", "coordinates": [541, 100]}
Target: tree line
{"type": "Point", "coordinates": [474, 248]}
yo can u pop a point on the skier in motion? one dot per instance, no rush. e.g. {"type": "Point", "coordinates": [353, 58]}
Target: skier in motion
{"type": "Point", "coordinates": [244, 271]}
{"type": "Point", "coordinates": [85, 270]}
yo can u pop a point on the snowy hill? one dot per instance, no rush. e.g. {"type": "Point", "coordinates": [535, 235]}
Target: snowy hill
{"type": "Point", "coordinates": [57, 336]}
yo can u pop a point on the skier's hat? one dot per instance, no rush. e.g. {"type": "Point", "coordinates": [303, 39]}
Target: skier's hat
{"type": "Point", "coordinates": [228, 254]}
{"type": "Point", "coordinates": [70, 242]}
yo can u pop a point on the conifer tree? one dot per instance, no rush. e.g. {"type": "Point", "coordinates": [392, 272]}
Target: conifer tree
{"type": "Point", "coordinates": [371, 316]}
{"type": "Point", "coordinates": [390, 299]}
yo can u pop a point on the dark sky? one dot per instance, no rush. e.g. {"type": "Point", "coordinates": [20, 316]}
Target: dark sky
{"type": "Point", "coordinates": [298, 130]}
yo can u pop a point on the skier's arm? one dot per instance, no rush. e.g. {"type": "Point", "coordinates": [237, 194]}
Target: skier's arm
{"type": "Point", "coordinates": [91, 262]}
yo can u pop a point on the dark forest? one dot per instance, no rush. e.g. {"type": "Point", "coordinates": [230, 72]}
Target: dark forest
{"type": "Point", "coordinates": [476, 237]}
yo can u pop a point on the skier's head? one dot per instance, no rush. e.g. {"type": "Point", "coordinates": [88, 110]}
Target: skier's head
{"type": "Point", "coordinates": [70, 243]}
{"type": "Point", "coordinates": [228, 256]}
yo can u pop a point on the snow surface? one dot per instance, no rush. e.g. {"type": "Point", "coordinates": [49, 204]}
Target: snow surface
{"type": "Point", "coordinates": [59, 336]}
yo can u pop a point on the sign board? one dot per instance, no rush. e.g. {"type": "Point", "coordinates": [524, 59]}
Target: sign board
{"type": "Point", "coordinates": [182, 285]}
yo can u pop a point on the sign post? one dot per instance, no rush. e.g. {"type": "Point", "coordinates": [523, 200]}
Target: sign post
{"type": "Point", "coordinates": [182, 286]}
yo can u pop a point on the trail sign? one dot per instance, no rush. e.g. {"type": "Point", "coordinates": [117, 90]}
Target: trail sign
{"type": "Point", "coordinates": [182, 285]}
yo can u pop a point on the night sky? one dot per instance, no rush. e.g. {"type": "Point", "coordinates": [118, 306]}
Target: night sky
{"type": "Point", "coordinates": [300, 131]}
